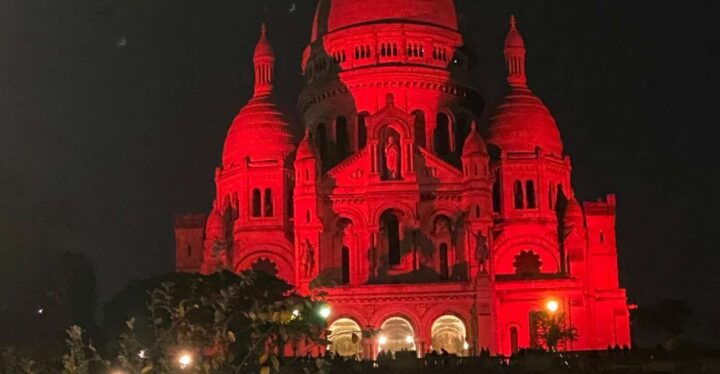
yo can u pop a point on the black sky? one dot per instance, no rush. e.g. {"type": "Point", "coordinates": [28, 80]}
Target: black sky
{"type": "Point", "coordinates": [113, 114]}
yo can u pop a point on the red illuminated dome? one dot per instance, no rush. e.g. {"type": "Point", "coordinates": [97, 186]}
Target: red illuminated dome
{"type": "Point", "coordinates": [522, 122]}
{"type": "Point", "coordinates": [334, 15]}
{"type": "Point", "coordinates": [259, 131]}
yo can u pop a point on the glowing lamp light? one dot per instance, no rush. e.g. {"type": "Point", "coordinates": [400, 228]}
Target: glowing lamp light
{"type": "Point", "coordinates": [185, 359]}
{"type": "Point", "coordinates": [296, 313]}
{"type": "Point", "coordinates": [552, 306]}
{"type": "Point", "coordinates": [40, 311]}
{"type": "Point", "coordinates": [466, 346]}
{"type": "Point", "coordinates": [325, 312]}
{"type": "Point", "coordinates": [382, 340]}
{"type": "Point", "coordinates": [409, 339]}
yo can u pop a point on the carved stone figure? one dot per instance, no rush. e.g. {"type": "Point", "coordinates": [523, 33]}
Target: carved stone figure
{"type": "Point", "coordinates": [392, 158]}
{"type": "Point", "coordinates": [309, 258]}
{"type": "Point", "coordinates": [481, 251]}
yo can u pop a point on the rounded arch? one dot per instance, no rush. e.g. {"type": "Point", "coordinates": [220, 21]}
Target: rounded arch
{"type": "Point", "coordinates": [441, 309]}
{"type": "Point", "coordinates": [396, 311]}
{"type": "Point", "coordinates": [358, 218]}
{"type": "Point", "coordinates": [345, 337]}
{"type": "Point", "coordinates": [397, 334]}
{"type": "Point", "coordinates": [278, 255]}
{"type": "Point", "coordinates": [407, 213]}
{"type": "Point", "coordinates": [449, 333]}
{"type": "Point", "coordinates": [397, 124]}
{"type": "Point", "coordinates": [508, 249]}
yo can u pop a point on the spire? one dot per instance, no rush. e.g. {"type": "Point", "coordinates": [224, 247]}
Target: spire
{"type": "Point", "coordinates": [515, 55]}
{"type": "Point", "coordinates": [264, 64]}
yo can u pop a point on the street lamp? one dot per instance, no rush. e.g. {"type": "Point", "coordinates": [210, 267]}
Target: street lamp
{"type": "Point", "coordinates": [184, 360]}
{"type": "Point", "coordinates": [382, 340]}
{"type": "Point", "coordinates": [409, 339]}
{"type": "Point", "coordinates": [325, 312]}
{"type": "Point", "coordinates": [552, 306]}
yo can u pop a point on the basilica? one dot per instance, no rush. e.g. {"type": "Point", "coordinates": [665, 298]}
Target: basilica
{"type": "Point", "coordinates": [430, 220]}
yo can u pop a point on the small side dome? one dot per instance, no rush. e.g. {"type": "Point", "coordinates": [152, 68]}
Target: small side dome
{"type": "Point", "coordinates": [259, 131]}
{"type": "Point", "coordinates": [306, 149]}
{"type": "Point", "coordinates": [522, 122]}
{"type": "Point", "coordinates": [474, 143]}
{"type": "Point", "coordinates": [215, 224]}
{"type": "Point", "coordinates": [573, 213]}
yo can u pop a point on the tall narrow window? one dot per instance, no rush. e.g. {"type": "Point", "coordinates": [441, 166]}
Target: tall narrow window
{"type": "Point", "coordinates": [551, 197]}
{"type": "Point", "coordinates": [391, 228]}
{"type": "Point", "coordinates": [256, 203]}
{"type": "Point", "coordinates": [268, 203]}
{"type": "Point", "coordinates": [345, 265]}
{"type": "Point", "coordinates": [496, 195]}
{"type": "Point", "coordinates": [362, 129]}
{"type": "Point", "coordinates": [514, 345]}
{"type": "Point", "coordinates": [530, 194]}
{"type": "Point", "coordinates": [322, 142]}
{"type": "Point", "coordinates": [602, 237]}
{"type": "Point", "coordinates": [462, 129]}
{"type": "Point", "coordinates": [290, 203]}
{"type": "Point", "coordinates": [442, 135]}
{"type": "Point", "coordinates": [419, 127]}
{"type": "Point", "coordinates": [343, 138]}
{"type": "Point", "coordinates": [477, 211]}
{"type": "Point", "coordinates": [518, 194]}
{"type": "Point", "coordinates": [444, 265]}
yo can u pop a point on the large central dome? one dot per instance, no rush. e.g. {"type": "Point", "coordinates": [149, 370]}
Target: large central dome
{"type": "Point", "coordinates": [334, 15]}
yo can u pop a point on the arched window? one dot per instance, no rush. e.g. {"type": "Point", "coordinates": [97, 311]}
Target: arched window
{"type": "Point", "coordinates": [268, 203]}
{"type": "Point", "coordinates": [419, 127]}
{"type": "Point", "coordinates": [322, 142]}
{"type": "Point", "coordinates": [345, 265]}
{"type": "Point", "coordinates": [307, 216]}
{"type": "Point", "coordinates": [444, 265]}
{"type": "Point", "coordinates": [477, 211]}
{"type": "Point", "coordinates": [442, 135]}
{"type": "Point", "coordinates": [256, 203]}
{"type": "Point", "coordinates": [343, 138]}
{"type": "Point", "coordinates": [518, 194]}
{"type": "Point", "coordinates": [514, 345]}
{"type": "Point", "coordinates": [551, 196]}
{"type": "Point", "coordinates": [362, 129]}
{"type": "Point", "coordinates": [391, 230]}
{"type": "Point", "coordinates": [530, 194]}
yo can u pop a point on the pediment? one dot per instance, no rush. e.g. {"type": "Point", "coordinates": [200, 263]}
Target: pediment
{"type": "Point", "coordinates": [431, 169]}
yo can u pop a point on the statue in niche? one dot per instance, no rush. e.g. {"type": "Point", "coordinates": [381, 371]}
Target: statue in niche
{"type": "Point", "coordinates": [442, 226]}
{"type": "Point", "coordinates": [481, 251]}
{"type": "Point", "coordinates": [309, 258]}
{"type": "Point", "coordinates": [392, 158]}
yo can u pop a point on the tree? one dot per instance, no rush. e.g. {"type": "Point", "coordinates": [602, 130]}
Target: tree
{"type": "Point", "coordinates": [551, 329]}
{"type": "Point", "coordinates": [221, 323]}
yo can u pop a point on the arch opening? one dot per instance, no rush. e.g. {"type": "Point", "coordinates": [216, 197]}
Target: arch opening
{"type": "Point", "coordinates": [449, 333]}
{"type": "Point", "coordinates": [397, 335]}
{"type": "Point", "coordinates": [345, 338]}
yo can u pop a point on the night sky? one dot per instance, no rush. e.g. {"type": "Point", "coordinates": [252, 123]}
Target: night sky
{"type": "Point", "coordinates": [113, 115]}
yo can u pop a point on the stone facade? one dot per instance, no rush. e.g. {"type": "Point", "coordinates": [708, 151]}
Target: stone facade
{"type": "Point", "coordinates": [395, 205]}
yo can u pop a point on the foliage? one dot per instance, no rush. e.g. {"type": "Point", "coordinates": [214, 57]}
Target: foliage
{"type": "Point", "coordinates": [12, 362]}
{"type": "Point", "coordinates": [552, 329]}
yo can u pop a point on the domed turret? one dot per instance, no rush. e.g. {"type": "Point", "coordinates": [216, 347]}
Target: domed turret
{"type": "Point", "coordinates": [474, 143]}
{"type": "Point", "coordinates": [215, 225]}
{"type": "Point", "coordinates": [259, 131]}
{"type": "Point", "coordinates": [306, 149]}
{"type": "Point", "coordinates": [573, 216]}
{"type": "Point", "coordinates": [334, 15]}
{"type": "Point", "coordinates": [522, 122]}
